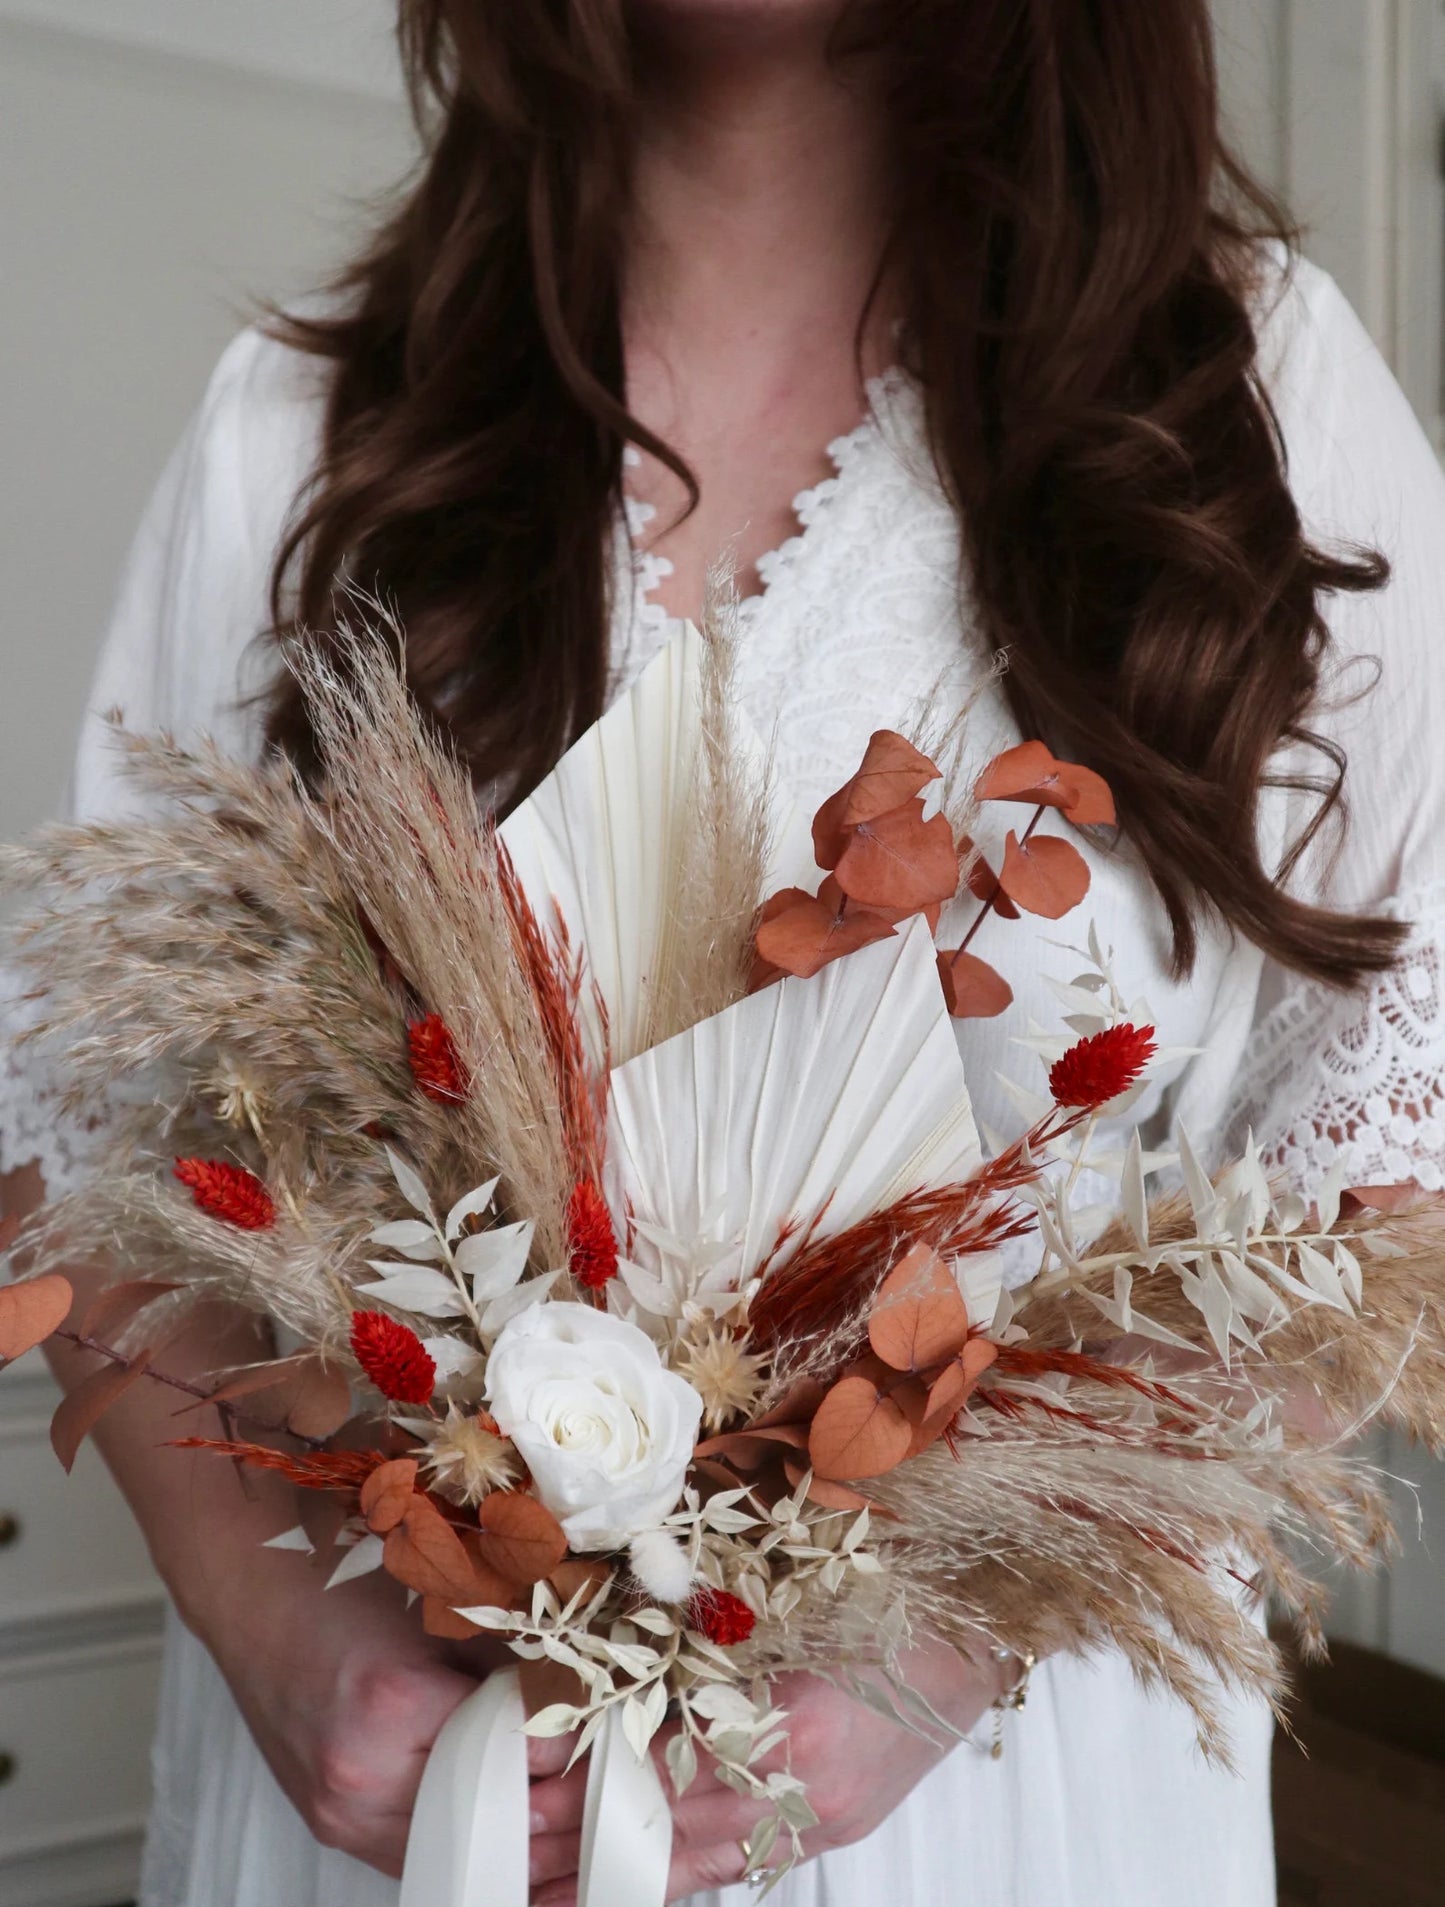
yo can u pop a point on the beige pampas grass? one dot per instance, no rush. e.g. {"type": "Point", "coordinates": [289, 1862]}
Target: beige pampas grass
{"type": "Point", "coordinates": [246, 959]}
{"type": "Point", "coordinates": [721, 864]}
{"type": "Point", "coordinates": [400, 815]}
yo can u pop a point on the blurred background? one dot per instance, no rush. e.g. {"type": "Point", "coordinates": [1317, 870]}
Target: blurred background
{"type": "Point", "coordinates": [163, 163]}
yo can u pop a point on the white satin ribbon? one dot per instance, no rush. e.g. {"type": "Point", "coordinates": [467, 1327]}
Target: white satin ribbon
{"type": "Point", "coordinates": [468, 1844]}
{"type": "Point", "coordinates": [626, 1826]}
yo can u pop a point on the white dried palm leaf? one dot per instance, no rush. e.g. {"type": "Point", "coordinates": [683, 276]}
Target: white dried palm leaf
{"type": "Point", "coordinates": [598, 840]}
{"type": "Point", "coordinates": [650, 841]}
{"type": "Point", "coordinates": [812, 1103]}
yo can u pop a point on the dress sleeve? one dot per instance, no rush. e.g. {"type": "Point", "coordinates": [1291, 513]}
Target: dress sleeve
{"type": "Point", "coordinates": [1359, 1078]}
{"type": "Point", "coordinates": [181, 653]}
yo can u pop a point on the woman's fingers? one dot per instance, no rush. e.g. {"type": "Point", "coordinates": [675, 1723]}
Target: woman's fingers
{"type": "Point", "coordinates": [710, 1832]}
{"type": "Point", "coordinates": [556, 1803]}
{"type": "Point", "coordinates": [549, 1757]}
{"type": "Point", "coordinates": [719, 1866]}
{"type": "Point", "coordinates": [554, 1857]}
{"type": "Point", "coordinates": [705, 1820]}
{"type": "Point", "coordinates": [710, 1829]}
{"type": "Point", "coordinates": [691, 1872]}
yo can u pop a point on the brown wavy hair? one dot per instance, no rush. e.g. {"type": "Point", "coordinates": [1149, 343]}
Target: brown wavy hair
{"type": "Point", "coordinates": [1076, 253]}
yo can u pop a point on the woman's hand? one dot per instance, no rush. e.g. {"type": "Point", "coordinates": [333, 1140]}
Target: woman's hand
{"type": "Point", "coordinates": [856, 1764]}
{"type": "Point", "coordinates": [343, 1690]}
{"type": "Point", "coordinates": [344, 1693]}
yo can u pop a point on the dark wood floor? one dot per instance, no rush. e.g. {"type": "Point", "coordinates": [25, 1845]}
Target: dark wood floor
{"type": "Point", "coordinates": [1360, 1797]}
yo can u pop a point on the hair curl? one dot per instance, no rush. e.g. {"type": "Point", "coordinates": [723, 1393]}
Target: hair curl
{"type": "Point", "coordinates": [1076, 251]}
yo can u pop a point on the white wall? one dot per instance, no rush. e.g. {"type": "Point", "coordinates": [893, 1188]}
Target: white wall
{"type": "Point", "coordinates": [1250, 36]}
{"type": "Point", "coordinates": [147, 198]}
{"type": "Point", "coordinates": [1338, 105]}
{"type": "Point", "coordinates": [327, 42]}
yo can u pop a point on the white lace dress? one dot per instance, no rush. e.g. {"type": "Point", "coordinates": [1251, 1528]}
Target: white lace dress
{"type": "Point", "coordinates": [1100, 1799]}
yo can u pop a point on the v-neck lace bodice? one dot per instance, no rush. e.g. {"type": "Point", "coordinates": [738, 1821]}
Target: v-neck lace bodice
{"type": "Point", "coordinates": [859, 608]}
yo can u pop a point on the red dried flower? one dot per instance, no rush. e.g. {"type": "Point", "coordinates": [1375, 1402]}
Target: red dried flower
{"type": "Point", "coordinates": [393, 1357]}
{"type": "Point", "coordinates": [228, 1192]}
{"type": "Point", "coordinates": [436, 1065]}
{"type": "Point", "coordinates": [1098, 1069]}
{"type": "Point", "coordinates": [591, 1241]}
{"type": "Point", "coordinates": [723, 1618]}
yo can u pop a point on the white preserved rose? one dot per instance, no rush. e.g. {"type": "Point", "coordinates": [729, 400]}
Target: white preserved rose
{"type": "Point", "coordinates": [605, 1428]}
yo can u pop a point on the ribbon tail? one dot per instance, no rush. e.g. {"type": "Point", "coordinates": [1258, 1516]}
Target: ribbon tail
{"type": "Point", "coordinates": [468, 1841]}
{"type": "Point", "coordinates": [626, 1825]}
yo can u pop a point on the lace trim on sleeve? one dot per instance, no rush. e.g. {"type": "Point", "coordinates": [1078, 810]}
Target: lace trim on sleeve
{"type": "Point", "coordinates": [35, 1127]}
{"type": "Point", "coordinates": [1357, 1079]}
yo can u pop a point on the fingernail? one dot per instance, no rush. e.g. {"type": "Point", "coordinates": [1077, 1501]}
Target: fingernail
{"type": "Point", "coordinates": [537, 1823]}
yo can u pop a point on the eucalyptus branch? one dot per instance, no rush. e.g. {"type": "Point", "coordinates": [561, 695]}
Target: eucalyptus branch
{"type": "Point", "coordinates": [990, 905]}
{"type": "Point", "coordinates": [228, 1415]}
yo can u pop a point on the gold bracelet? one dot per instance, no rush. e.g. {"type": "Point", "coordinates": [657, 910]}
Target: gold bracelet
{"type": "Point", "coordinates": [1012, 1699]}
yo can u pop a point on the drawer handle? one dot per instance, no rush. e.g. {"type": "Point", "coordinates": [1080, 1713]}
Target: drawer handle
{"type": "Point", "coordinates": [8, 1766]}
{"type": "Point", "coordinates": [9, 1528]}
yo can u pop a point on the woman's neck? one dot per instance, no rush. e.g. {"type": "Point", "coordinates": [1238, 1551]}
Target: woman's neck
{"type": "Point", "coordinates": [761, 191]}
{"type": "Point", "coordinates": [760, 217]}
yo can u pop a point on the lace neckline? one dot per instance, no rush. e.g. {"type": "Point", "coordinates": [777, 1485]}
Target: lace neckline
{"type": "Point", "coordinates": [891, 420]}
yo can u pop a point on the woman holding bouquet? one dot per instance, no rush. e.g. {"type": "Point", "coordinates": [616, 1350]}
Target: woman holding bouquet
{"type": "Point", "coordinates": [1083, 408]}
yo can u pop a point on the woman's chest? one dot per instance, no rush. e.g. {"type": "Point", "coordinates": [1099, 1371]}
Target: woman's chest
{"type": "Point", "coordinates": [862, 624]}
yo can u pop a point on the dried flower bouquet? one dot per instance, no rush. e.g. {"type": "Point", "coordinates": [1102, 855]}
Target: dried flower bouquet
{"type": "Point", "coordinates": [628, 1190]}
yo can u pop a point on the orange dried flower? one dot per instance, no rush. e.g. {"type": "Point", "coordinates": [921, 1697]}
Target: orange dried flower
{"type": "Point", "coordinates": [436, 1065]}
{"type": "Point", "coordinates": [318, 1470]}
{"type": "Point", "coordinates": [228, 1192]}
{"type": "Point", "coordinates": [1099, 1068]}
{"type": "Point", "coordinates": [723, 1618]}
{"type": "Point", "coordinates": [393, 1357]}
{"type": "Point", "coordinates": [591, 1241]}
